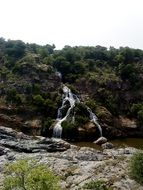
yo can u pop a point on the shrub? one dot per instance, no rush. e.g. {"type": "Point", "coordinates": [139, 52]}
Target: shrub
{"type": "Point", "coordinates": [38, 100]}
{"type": "Point", "coordinates": [97, 185]}
{"type": "Point", "coordinates": [81, 120]}
{"type": "Point", "coordinates": [135, 108]}
{"type": "Point", "coordinates": [136, 167]}
{"type": "Point", "coordinates": [91, 104]}
{"type": "Point", "coordinates": [29, 175]}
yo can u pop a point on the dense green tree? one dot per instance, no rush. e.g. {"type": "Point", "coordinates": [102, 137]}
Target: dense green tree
{"type": "Point", "coordinates": [15, 48]}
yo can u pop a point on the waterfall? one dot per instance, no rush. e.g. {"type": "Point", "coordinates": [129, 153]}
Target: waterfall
{"type": "Point", "coordinates": [69, 97]}
{"type": "Point", "coordinates": [93, 118]}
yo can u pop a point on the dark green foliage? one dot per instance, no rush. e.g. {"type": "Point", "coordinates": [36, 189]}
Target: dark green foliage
{"type": "Point", "coordinates": [96, 185]}
{"type": "Point", "coordinates": [36, 88]}
{"type": "Point", "coordinates": [69, 130]}
{"type": "Point", "coordinates": [81, 120]}
{"type": "Point", "coordinates": [81, 115]}
{"type": "Point", "coordinates": [15, 49]}
{"type": "Point", "coordinates": [38, 100]}
{"type": "Point", "coordinates": [81, 109]}
{"type": "Point", "coordinates": [46, 131]}
{"type": "Point", "coordinates": [136, 167]}
{"type": "Point", "coordinates": [131, 73]}
{"type": "Point", "coordinates": [50, 107]}
{"type": "Point", "coordinates": [137, 111]}
{"type": "Point", "coordinates": [108, 100]}
{"type": "Point", "coordinates": [91, 104]}
{"type": "Point", "coordinates": [14, 97]}
{"type": "Point", "coordinates": [136, 108]}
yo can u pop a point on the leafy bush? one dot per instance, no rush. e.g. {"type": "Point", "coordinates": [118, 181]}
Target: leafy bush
{"type": "Point", "coordinates": [91, 104]}
{"type": "Point", "coordinates": [137, 111]}
{"type": "Point", "coordinates": [97, 185]}
{"type": "Point", "coordinates": [81, 109]}
{"type": "Point", "coordinates": [136, 167]}
{"type": "Point", "coordinates": [29, 175]}
{"type": "Point", "coordinates": [38, 100]}
{"type": "Point", "coordinates": [81, 120]}
{"type": "Point", "coordinates": [135, 108]}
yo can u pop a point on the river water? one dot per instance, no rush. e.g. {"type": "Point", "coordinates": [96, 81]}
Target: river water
{"type": "Point", "coordinates": [126, 142]}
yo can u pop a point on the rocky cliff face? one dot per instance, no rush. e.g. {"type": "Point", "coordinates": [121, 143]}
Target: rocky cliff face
{"type": "Point", "coordinates": [115, 123]}
{"type": "Point", "coordinates": [25, 97]}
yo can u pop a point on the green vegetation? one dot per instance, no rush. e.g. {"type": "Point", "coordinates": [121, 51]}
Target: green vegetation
{"type": "Point", "coordinates": [111, 78]}
{"type": "Point", "coordinates": [29, 175]}
{"type": "Point", "coordinates": [136, 167]}
{"type": "Point", "coordinates": [137, 111]}
{"type": "Point", "coordinates": [97, 185]}
{"type": "Point", "coordinates": [69, 130]}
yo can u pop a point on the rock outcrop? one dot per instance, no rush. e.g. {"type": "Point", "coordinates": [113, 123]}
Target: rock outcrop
{"type": "Point", "coordinates": [20, 142]}
{"type": "Point", "coordinates": [75, 165]}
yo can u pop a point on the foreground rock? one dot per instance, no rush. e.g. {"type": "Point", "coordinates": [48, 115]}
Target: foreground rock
{"type": "Point", "coordinates": [76, 165]}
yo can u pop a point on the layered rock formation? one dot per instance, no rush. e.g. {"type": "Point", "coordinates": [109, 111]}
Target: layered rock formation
{"type": "Point", "coordinates": [75, 165]}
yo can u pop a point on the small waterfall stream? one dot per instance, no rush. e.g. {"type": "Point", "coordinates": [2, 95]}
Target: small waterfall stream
{"type": "Point", "coordinates": [93, 118]}
{"type": "Point", "coordinates": [69, 97]}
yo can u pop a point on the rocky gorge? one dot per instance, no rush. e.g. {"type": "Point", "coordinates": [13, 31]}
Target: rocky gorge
{"type": "Point", "coordinates": [103, 98]}
{"type": "Point", "coordinates": [108, 81]}
{"type": "Point", "coordinates": [75, 165]}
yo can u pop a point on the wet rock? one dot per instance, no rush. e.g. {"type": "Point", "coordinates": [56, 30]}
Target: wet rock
{"type": "Point", "coordinates": [23, 143]}
{"type": "Point", "coordinates": [107, 145]}
{"type": "Point", "coordinates": [8, 133]}
{"type": "Point", "coordinates": [100, 141]}
{"type": "Point", "coordinates": [3, 150]}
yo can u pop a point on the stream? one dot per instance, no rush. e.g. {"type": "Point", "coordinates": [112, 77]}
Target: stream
{"type": "Point", "coordinates": [125, 142]}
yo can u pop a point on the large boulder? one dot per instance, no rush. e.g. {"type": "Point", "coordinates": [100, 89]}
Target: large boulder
{"type": "Point", "coordinates": [100, 141]}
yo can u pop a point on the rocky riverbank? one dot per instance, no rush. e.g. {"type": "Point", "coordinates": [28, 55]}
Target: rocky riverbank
{"type": "Point", "coordinates": [75, 165]}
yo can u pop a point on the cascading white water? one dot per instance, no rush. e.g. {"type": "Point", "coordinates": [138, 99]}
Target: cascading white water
{"type": "Point", "coordinates": [71, 98]}
{"type": "Point", "coordinates": [67, 97]}
{"type": "Point", "coordinates": [93, 118]}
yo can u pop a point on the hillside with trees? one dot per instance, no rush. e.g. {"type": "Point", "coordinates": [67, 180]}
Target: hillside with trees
{"type": "Point", "coordinates": [110, 81]}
